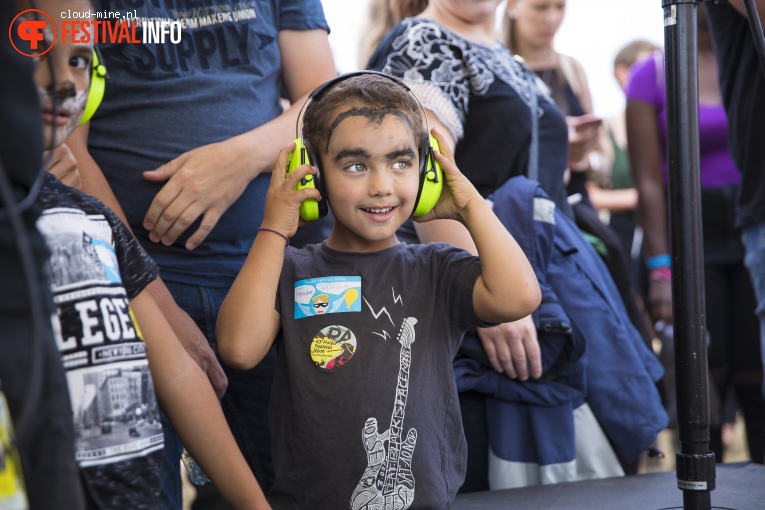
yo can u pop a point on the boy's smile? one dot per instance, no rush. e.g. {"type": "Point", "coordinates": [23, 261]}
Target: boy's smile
{"type": "Point", "coordinates": [371, 174]}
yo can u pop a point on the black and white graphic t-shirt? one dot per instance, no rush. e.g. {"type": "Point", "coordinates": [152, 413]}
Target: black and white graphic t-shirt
{"type": "Point", "coordinates": [364, 411]}
{"type": "Point", "coordinates": [96, 268]}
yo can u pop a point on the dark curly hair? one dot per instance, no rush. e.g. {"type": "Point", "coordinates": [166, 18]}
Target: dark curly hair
{"type": "Point", "coordinates": [371, 95]}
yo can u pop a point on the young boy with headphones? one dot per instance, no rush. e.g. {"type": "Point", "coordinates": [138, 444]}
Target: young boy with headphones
{"type": "Point", "coordinates": [120, 355]}
{"type": "Point", "coordinates": [364, 410]}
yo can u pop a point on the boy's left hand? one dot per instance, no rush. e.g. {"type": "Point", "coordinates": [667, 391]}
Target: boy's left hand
{"type": "Point", "coordinates": [63, 166]}
{"type": "Point", "coordinates": [458, 191]}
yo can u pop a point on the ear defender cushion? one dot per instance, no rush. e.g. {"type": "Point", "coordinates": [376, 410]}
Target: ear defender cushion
{"type": "Point", "coordinates": [96, 91]}
{"type": "Point", "coordinates": [310, 209]}
{"type": "Point", "coordinates": [431, 177]}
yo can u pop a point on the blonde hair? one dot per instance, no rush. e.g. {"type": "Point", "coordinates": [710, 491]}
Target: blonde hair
{"type": "Point", "coordinates": [384, 15]}
{"type": "Point", "coordinates": [630, 53]}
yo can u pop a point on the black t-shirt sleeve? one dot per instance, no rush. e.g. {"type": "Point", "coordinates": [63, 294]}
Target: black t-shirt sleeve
{"type": "Point", "coordinates": [136, 267]}
{"type": "Point", "coordinates": [742, 86]}
{"type": "Point", "coordinates": [455, 272]}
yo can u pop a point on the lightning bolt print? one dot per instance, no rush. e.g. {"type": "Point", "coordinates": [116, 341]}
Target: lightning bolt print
{"type": "Point", "coordinates": [396, 299]}
{"type": "Point", "coordinates": [385, 336]}
{"type": "Point", "coordinates": [377, 314]}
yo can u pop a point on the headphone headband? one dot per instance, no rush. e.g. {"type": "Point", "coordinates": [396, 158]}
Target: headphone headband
{"type": "Point", "coordinates": [319, 91]}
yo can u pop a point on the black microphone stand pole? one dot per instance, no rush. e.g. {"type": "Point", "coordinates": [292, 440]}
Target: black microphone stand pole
{"type": "Point", "coordinates": [695, 463]}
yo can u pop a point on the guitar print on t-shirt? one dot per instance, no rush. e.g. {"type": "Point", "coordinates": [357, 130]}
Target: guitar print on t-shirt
{"type": "Point", "coordinates": [387, 482]}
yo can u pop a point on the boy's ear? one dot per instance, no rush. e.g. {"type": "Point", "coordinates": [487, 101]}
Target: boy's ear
{"type": "Point", "coordinates": [97, 87]}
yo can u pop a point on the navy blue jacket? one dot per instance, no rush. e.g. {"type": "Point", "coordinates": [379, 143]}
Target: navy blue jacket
{"type": "Point", "coordinates": [590, 350]}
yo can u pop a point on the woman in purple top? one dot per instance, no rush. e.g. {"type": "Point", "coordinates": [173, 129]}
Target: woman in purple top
{"type": "Point", "coordinates": [734, 347]}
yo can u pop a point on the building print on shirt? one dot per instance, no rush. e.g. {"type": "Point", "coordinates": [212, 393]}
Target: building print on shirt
{"type": "Point", "coordinates": [387, 482]}
{"type": "Point", "coordinates": [115, 410]}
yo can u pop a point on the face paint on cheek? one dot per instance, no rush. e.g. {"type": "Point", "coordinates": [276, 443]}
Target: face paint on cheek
{"type": "Point", "coordinates": [76, 107]}
{"type": "Point", "coordinates": [44, 97]}
{"type": "Point", "coordinates": [71, 107]}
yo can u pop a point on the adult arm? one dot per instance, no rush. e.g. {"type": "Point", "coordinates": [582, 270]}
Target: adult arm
{"type": "Point", "coordinates": [192, 338]}
{"type": "Point", "coordinates": [740, 7]}
{"type": "Point", "coordinates": [194, 410]}
{"type": "Point", "coordinates": [613, 200]}
{"type": "Point", "coordinates": [207, 180]}
{"type": "Point", "coordinates": [645, 160]}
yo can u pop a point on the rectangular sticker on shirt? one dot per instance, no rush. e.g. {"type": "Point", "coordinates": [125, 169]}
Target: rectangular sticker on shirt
{"type": "Point", "coordinates": [330, 294]}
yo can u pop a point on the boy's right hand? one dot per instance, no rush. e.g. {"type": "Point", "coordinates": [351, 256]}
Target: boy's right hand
{"type": "Point", "coordinates": [282, 209]}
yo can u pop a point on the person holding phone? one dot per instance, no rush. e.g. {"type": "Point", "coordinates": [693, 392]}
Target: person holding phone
{"type": "Point", "coordinates": [529, 29]}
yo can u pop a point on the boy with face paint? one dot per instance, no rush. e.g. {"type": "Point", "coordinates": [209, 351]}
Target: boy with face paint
{"type": "Point", "coordinates": [70, 63]}
{"type": "Point", "coordinates": [382, 427]}
{"type": "Point", "coordinates": [120, 356]}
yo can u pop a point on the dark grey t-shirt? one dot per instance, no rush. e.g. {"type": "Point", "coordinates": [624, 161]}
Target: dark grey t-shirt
{"type": "Point", "coordinates": [364, 406]}
{"type": "Point", "coordinates": [163, 100]}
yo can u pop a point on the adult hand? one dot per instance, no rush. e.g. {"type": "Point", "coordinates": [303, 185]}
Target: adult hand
{"type": "Point", "coordinates": [202, 182]}
{"type": "Point", "coordinates": [63, 166]}
{"type": "Point", "coordinates": [513, 348]}
{"type": "Point", "coordinates": [201, 352]}
{"type": "Point", "coordinates": [582, 139]}
{"type": "Point", "coordinates": [660, 300]}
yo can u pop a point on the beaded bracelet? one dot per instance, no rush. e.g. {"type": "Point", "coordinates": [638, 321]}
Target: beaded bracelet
{"type": "Point", "coordinates": [286, 239]}
{"type": "Point", "coordinates": [658, 261]}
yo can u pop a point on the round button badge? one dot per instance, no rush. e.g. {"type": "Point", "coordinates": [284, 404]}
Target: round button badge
{"type": "Point", "coordinates": [333, 347]}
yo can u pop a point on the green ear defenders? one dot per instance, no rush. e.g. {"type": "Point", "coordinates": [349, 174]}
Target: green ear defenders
{"type": "Point", "coordinates": [431, 174]}
{"type": "Point", "coordinates": [97, 87]}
